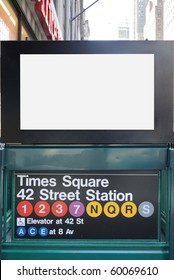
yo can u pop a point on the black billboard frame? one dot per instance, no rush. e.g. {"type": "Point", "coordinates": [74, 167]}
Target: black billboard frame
{"type": "Point", "coordinates": [10, 87]}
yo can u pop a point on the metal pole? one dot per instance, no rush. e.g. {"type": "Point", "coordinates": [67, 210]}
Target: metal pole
{"type": "Point", "coordinates": [84, 10]}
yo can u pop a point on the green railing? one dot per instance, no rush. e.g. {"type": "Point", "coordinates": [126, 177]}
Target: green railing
{"type": "Point", "coordinates": [91, 157]}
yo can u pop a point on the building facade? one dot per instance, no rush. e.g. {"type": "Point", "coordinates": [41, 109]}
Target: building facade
{"type": "Point", "coordinates": [42, 20]}
{"type": "Point", "coordinates": [139, 18]}
{"type": "Point", "coordinates": [71, 18]}
{"type": "Point", "coordinates": [168, 20]}
{"type": "Point", "coordinates": [18, 22]}
{"type": "Point", "coordinates": [153, 28]}
{"type": "Point", "coordinates": [124, 30]}
{"type": "Point", "coordinates": [150, 25]}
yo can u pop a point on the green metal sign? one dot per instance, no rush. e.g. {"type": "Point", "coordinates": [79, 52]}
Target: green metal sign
{"type": "Point", "coordinates": [86, 205]}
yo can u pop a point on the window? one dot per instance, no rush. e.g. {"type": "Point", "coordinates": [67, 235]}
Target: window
{"type": "Point", "coordinates": [8, 21]}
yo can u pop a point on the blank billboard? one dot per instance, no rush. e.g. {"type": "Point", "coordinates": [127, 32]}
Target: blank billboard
{"type": "Point", "coordinates": [87, 91]}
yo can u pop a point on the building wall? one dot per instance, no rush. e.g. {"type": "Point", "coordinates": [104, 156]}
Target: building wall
{"type": "Point", "coordinates": [76, 24]}
{"type": "Point", "coordinates": [18, 21]}
{"type": "Point", "coordinates": [140, 14]}
{"type": "Point", "coordinates": [168, 20]}
{"type": "Point", "coordinates": [124, 31]}
{"type": "Point", "coordinates": [150, 25]}
{"type": "Point", "coordinates": [135, 20]}
{"type": "Point", "coordinates": [60, 9]}
{"type": "Point", "coordinates": [72, 29]}
{"type": "Point", "coordinates": [159, 20]}
{"type": "Point", "coordinates": [153, 28]}
{"type": "Point", "coordinates": [27, 19]}
{"type": "Point", "coordinates": [27, 7]}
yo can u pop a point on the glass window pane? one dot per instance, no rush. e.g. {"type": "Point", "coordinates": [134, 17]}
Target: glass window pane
{"type": "Point", "coordinates": [8, 22]}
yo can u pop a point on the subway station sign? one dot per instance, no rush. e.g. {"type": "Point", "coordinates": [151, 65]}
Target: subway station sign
{"type": "Point", "coordinates": [86, 205]}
